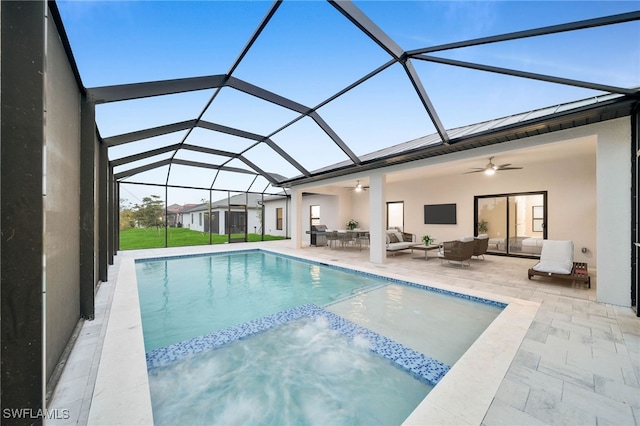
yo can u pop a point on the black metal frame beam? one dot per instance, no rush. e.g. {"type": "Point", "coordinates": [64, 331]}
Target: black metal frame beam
{"type": "Point", "coordinates": [426, 102]}
{"type": "Point", "coordinates": [367, 26]}
{"type": "Point", "coordinates": [253, 136]}
{"type": "Point", "coordinates": [127, 92]}
{"type": "Point", "coordinates": [149, 133]}
{"type": "Point", "coordinates": [143, 155]}
{"type": "Point", "coordinates": [201, 188]}
{"type": "Point", "coordinates": [529, 75]}
{"type": "Point", "coordinates": [375, 33]}
{"type": "Point", "coordinates": [553, 29]}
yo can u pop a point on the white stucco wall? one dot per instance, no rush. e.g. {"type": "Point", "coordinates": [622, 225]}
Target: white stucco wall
{"type": "Point", "coordinates": [614, 212]}
{"type": "Point", "coordinates": [571, 187]}
{"type": "Point", "coordinates": [270, 207]}
{"type": "Point", "coordinates": [588, 197]}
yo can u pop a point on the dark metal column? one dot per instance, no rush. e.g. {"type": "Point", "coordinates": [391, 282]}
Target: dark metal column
{"type": "Point", "coordinates": [88, 213]}
{"type": "Point", "coordinates": [166, 215]}
{"type": "Point", "coordinates": [113, 203]}
{"type": "Point", "coordinates": [22, 57]}
{"type": "Point", "coordinates": [635, 207]}
{"type": "Point", "coordinates": [103, 212]}
{"type": "Point", "coordinates": [117, 198]}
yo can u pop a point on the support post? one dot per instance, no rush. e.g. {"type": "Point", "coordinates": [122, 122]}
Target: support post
{"type": "Point", "coordinates": [87, 268]}
{"type": "Point", "coordinates": [103, 212]}
{"type": "Point", "coordinates": [22, 57]}
{"type": "Point", "coordinates": [378, 214]}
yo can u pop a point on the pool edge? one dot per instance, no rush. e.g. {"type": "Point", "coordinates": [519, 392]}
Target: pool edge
{"type": "Point", "coordinates": [443, 405]}
{"type": "Point", "coordinates": [123, 397]}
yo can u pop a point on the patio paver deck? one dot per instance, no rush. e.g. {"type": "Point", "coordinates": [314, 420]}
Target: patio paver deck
{"type": "Point", "coordinates": [578, 364]}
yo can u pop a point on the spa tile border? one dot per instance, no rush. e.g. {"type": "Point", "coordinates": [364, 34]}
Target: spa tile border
{"type": "Point", "coordinates": [418, 364]}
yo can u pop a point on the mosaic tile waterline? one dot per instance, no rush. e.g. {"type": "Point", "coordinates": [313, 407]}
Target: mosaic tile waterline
{"type": "Point", "coordinates": [418, 364]}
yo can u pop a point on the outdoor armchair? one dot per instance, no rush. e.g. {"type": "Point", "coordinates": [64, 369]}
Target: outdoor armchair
{"type": "Point", "coordinates": [457, 251]}
{"type": "Point", "coordinates": [481, 245]}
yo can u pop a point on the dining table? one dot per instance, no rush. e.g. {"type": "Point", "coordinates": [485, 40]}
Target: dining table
{"type": "Point", "coordinates": [347, 237]}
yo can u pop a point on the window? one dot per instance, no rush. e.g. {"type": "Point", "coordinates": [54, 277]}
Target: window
{"type": "Point", "coordinates": [192, 218]}
{"type": "Point", "coordinates": [200, 219]}
{"type": "Point", "coordinates": [315, 215]}
{"type": "Point", "coordinates": [395, 215]}
{"type": "Point", "coordinates": [279, 218]}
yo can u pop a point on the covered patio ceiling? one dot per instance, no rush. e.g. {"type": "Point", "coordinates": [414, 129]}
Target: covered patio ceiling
{"type": "Point", "coordinates": [299, 102]}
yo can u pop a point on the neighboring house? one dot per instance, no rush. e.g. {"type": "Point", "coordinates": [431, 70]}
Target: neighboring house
{"type": "Point", "coordinates": [175, 213]}
{"type": "Point", "coordinates": [234, 215]}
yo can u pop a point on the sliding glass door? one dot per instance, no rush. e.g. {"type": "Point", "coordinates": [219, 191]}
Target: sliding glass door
{"type": "Point", "coordinates": [515, 223]}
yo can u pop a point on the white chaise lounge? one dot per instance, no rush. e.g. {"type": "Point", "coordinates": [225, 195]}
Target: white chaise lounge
{"type": "Point", "coordinates": [556, 261]}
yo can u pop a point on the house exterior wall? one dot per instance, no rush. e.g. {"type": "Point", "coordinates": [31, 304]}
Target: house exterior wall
{"type": "Point", "coordinates": [270, 207]}
{"type": "Point", "coordinates": [330, 213]}
{"type": "Point", "coordinates": [571, 186]}
{"type": "Point", "coordinates": [614, 212]}
{"type": "Point", "coordinates": [588, 198]}
{"type": "Point", "coordinates": [62, 203]}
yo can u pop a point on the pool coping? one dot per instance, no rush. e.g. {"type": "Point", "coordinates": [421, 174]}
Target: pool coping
{"type": "Point", "coordinates": [463, 396]}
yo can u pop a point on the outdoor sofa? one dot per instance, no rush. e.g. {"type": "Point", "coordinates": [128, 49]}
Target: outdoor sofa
{"type": "Point", "coordinates": [397, 241]}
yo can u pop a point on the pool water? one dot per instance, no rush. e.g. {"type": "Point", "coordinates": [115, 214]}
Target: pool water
{"type": "Point", "coordinates": [182, 298]}
{"type": "Point", "coordinates": [228, 342]}
{"type": "Point", "coordinates": [432, 323]}
{"type": "Point", "coordinates": [300, 373]}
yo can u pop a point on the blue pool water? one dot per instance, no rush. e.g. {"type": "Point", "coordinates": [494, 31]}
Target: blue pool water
{"type": "Point", "coordinates": [301, 372]}
{"type": "Point", "coordinates": [186, 297]}
{"type": "Point", "coordinates": [256, 338]}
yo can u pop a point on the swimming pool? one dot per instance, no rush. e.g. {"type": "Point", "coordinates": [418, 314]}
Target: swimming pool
{"type": "Point", "coordinates": [313, 283]}
{"type": "Point", "coordinates": [184, 297]}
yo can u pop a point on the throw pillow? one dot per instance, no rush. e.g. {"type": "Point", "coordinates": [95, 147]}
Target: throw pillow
{"type": "Point", "coordinates": [393, 238]}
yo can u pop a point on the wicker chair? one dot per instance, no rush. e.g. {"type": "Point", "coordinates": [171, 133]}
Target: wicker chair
{"type": "Point", "coordinates": [481, 245]}
{"type": "Point", "coordinates": [457, 251]}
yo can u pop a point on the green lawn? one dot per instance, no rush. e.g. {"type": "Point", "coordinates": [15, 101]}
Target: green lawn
{"type": "Point", "coordinates": [141, 238]}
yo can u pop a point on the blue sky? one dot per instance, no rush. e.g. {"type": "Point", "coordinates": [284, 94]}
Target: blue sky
{"type": "Point", "coordinates": [309, 51]}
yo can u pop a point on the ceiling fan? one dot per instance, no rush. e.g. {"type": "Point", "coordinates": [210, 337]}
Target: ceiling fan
{"type": "Point", "coordinates": [359, 187]}
{"type": "Point", "coordinates": [491, 168]}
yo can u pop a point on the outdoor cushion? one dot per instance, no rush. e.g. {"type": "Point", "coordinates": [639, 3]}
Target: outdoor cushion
{"type": "Point", "coordinates": [556, 257]}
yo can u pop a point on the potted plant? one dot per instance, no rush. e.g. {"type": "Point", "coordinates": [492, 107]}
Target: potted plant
{"type": "Point", "coordinates": [352, 224]}
{"type": "Point", "coordinates": [428, 240]}
{"type": "Point", "coordinates": [483, 226]}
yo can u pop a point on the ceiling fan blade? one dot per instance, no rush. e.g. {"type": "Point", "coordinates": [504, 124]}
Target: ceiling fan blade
{"type": "Point", "coordinates": [504, 165]}
{"type": "Point", "coordinates": [475, 171]}
{"type": "Point", "coordinates": [509, 168]}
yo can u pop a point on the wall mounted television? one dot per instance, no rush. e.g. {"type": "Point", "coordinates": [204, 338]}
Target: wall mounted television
{"type": "Point", "coordinates": [440, 214]}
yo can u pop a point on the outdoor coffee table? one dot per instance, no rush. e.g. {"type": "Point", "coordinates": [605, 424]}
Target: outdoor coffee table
{"type": "Point", "coordinates": [424, 248]}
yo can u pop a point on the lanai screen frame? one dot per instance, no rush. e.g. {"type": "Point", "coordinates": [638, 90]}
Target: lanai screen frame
{"type": "Point", "coordinates": [443, 142]}
{"type": "Point", "coordinates": [116, 93]}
